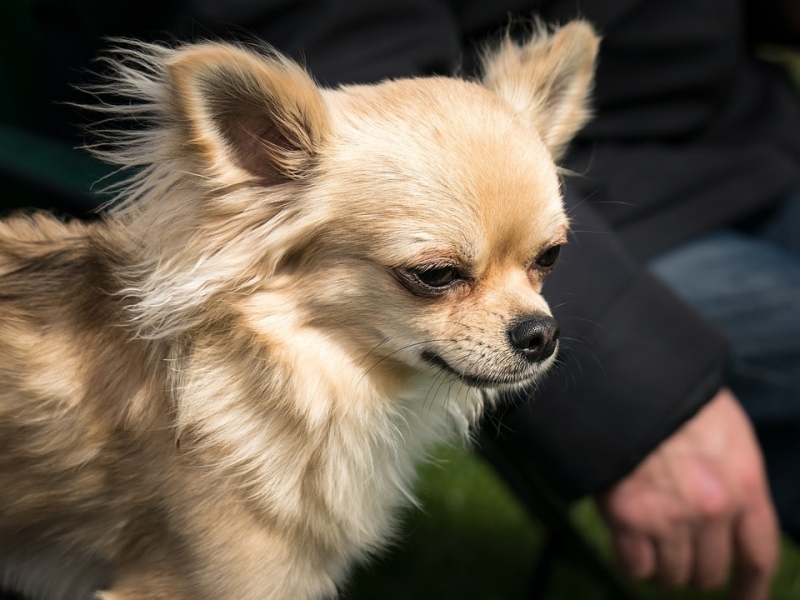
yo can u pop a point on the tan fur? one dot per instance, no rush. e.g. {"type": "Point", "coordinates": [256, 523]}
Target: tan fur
{"type": "Point", "coordinates": [220, 390]}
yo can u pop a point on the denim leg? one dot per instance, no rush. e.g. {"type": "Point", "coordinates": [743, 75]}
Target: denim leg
{"type": "Point", "coordinates": [749, 285]}
{"type": "Point", "coordinates": [782, 226]}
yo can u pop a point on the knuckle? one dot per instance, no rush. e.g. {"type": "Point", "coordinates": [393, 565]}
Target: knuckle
{"type": "Point", "coordinates": [672, 518]}
{"type": "Point", "coordinates": [711, 498]}
{"type": "Point", "coordinates": [713, 507]}
{"type": "Point", "coordinates": [753, 484]}
{"type": "Point", "coordinates": [627, 513]}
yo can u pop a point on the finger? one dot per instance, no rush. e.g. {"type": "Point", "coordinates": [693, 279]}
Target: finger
{"type": "Point", "coordinates": [713, 550]}
{"type": "Point", "coordinates": [636, 554]}
{"type": "Point", "coordinates": [674, 555]}
{"type": "Point", "coordinates": [758, 548]}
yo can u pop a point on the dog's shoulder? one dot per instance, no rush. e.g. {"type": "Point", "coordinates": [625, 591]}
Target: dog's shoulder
{"type": "Point", "coordinates": [31, 239]}
{"type": "Point", "coordinates": [53, 273]}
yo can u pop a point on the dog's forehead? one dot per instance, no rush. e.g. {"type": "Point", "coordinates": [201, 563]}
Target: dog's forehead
{"type": "Point", "coordinates": [434, 111]}
{"type": "Point", "coordinates": [446, 156]}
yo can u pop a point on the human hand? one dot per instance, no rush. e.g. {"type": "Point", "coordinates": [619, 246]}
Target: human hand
{"type": "Point", "coordinates": [697, 501]}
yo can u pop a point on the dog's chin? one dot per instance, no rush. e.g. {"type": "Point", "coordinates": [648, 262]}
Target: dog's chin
{"type": "Point", "coordinates": [483, 382]}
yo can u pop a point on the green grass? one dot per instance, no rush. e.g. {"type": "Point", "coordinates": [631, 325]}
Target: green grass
{"type": "Point", "coordinates": [473, 541]}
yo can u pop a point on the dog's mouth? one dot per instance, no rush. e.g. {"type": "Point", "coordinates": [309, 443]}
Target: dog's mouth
{"type": "Point", "coordinates": [434, 359]}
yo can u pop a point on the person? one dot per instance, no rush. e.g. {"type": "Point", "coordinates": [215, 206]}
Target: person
{"type": "Point", "coordinates": [678, 295]}
{"type": "Point", "coordinates": [680, 302]}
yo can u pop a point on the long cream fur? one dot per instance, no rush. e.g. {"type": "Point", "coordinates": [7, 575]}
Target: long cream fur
{"type": "Point", "coordinates": [220, 389]}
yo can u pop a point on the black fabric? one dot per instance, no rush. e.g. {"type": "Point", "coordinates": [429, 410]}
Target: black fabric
{"type": "Point", "coordinates": [690, 133]}
{"type": "Point", "coordinates": [340, 41]}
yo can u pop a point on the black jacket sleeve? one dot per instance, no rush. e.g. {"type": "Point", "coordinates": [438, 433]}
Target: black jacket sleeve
{"type": "Point", "coordinates": [635, 363]}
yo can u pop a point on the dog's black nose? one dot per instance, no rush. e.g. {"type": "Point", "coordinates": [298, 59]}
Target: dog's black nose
{"type": "Point", "coordinates": [535, 337]}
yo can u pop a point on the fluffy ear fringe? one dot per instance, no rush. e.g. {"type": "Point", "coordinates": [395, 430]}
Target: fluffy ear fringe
{"type": "Point", "coordinates": [547, 79]}
{"type": "Point", "coordinates": [262, 115]}
{"type": "Point", "coordinates": [205, 136]}
{"type": "Point", "coordinates": [228, 113]}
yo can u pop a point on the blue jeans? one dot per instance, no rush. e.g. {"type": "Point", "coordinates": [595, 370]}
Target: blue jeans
{"type": "Point", "coordinates": [747, 281]}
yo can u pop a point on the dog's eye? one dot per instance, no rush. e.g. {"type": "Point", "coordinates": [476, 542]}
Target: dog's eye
{"type": "Point", "coordinates": [437, 278]}
{"type": "Point", "coordinates": [548, 258]}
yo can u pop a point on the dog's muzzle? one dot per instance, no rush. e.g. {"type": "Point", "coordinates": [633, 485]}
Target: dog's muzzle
{"type": "Point", "coordinates": [534, 339]}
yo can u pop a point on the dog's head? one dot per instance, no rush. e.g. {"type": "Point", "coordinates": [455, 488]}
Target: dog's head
{"type": "Point", "coordinates": [411, 221]}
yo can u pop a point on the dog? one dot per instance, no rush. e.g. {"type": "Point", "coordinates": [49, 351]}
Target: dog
{"type": "Point", "coordinates": [220, 388]}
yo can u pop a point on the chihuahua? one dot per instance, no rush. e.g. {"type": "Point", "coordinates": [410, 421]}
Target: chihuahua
{"type": "Point", "coordinates": [221, 387]}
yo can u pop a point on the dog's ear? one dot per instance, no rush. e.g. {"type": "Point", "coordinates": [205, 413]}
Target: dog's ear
{"type": "Point", "coordinates": [245, 115]}
{"type": "Point", "coordinates": [547, 79]}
